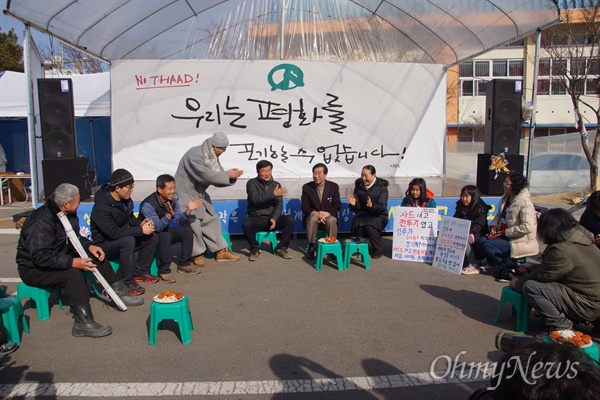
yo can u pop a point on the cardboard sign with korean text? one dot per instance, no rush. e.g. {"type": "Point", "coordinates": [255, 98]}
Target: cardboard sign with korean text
{"type": "Point", "coordinates": [451, 243]}
{"type": "Point", "coordinates": [415, 230]}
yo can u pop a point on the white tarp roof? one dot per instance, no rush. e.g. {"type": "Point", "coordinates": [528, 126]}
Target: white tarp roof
{"type": "Point", "coordinates": [424, 31]}
{"type": "Point", "coordinates": [91, 94]}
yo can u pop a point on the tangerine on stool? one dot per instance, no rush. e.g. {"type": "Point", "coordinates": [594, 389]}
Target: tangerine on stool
{"type": "Point", "coordinates": [351, 248]}
{"type": "Point", "coordinates": [334, 248]}
{"type": "Point", "coordinates": [178, 311]}
{"type": "Point", "coordinates": [40, 297]}
{"type": "Point", "coordinates": [520, 308]}
{"type": "Point", "coordinates": [11, 309]}
{"type": "Point", "coordinates": [267, 236]}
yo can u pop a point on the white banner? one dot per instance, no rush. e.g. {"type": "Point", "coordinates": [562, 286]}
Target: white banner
{"type": "Point", "coordinates": [294, 114]}
{"type": "Point", "coordinates": [415, 230]}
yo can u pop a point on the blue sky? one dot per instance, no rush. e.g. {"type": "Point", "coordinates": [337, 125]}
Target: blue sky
{"type": "Point", "coordinates": [7, 22]}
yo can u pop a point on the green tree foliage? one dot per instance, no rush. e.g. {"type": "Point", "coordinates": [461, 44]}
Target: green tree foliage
{"type": "Point", "coordinates": [11, 53]}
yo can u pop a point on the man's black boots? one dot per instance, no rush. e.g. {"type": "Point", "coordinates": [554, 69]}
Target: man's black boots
{"type": "Point", "coordinates": [84, 324]}
{"type": "Point", "coordinates": [123, 293]}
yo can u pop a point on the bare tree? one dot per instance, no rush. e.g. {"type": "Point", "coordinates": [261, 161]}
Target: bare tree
{"type": "Point", "coordinates": [574, 51]}
{"type": "Point", "coordinates": [66, 60]}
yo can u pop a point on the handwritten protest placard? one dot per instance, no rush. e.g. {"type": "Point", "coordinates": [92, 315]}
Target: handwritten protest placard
{"type": "Point", "coordinates": [451, 243]}
{"type": "Point", "coordinates": [415, 230]}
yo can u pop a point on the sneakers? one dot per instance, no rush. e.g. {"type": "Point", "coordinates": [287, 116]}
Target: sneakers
{"type": "Point", "coordinates": [284, 254]}
{"type": "Point", "coordinates": [199, 261]}
{"type": "Point", "coordinates": [135, 289]}
{"type": "Point", "coordinates": [146, 278]}
{"type": "Point", "coordinates": [225, 255]}
{"type": "Point", "coordinates": [167, 278]}
{"type": "Point", "coordinates": [376, 255]}
{"type": "Point", "coordinates": [254, 256]}
{"type": "Point", "coordinates": [188, 269]}
{"type": "Point", "coordinates": [470, 270]}
{"type": "Point", "coordinates": [502, 280]}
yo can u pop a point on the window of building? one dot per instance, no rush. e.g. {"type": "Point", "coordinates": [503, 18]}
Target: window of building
{"type": "Point", "coordinates": [552, 72]}
{"type": "Point", "coordinates": [474, 75]}
{"type": "Point", "coordinates": [470, 134]}
{"type": "Point", "coordinates": [515, 68]}
{"type": "Point", "coordinates": [482, 68]}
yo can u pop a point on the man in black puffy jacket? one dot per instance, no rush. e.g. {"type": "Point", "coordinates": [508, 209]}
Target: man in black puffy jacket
{"type": "Point", "coordinates": [45, 258]}
{"type": "Point", "coordinates": [121, 234]}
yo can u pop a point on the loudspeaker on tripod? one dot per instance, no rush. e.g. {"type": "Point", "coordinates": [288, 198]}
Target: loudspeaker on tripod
{"type": "Point", "coordinates": [503, 116]}
{"type": "Point", "coordinates": [75, 172]}
{"type": "Point", "coordinates": [487, 182]}
{"type": "Point", "coordinates": [57, 117]}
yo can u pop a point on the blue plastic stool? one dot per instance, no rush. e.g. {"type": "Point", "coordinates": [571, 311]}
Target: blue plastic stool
{"type": "Point", "coordinates": [329, 248]}
{"type": "Point", "coordinates": [351, 247]}
{"type": "Point", "coordinates": [11, 310]}
{"type": "Point", "coordinates": [178, 311]}
{"type": "Point", "coordinates": [520, 308]}
{"type": "Point", "coordinates": [39, 298]}
{"type": "Point", "coordinates": [268, 236]}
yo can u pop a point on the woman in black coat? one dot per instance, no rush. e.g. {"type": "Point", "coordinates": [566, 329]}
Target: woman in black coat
{"type": "Point", "coordinates": [369, 203]}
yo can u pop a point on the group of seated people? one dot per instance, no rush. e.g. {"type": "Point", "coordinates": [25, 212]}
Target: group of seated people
{"type": "Point", "coordinates": [185, 214]}
{"type": "Point", "coordinates": [565, 287]}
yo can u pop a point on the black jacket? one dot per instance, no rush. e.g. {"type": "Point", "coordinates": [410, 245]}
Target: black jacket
{"type": "Point", "coordinates": [262, 202]}
{"type": "Point", "coordinates": [43, 242]}
{"type": "Point", "coordinates": [479, 224]}
{"type": "Point", "coordinates": [112, 219]}
{"type": "Point", "coordinates": [377, 215]}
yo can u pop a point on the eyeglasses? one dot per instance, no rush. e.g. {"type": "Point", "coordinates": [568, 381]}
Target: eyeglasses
{"type": "Point", "coordinates": [128, 187]}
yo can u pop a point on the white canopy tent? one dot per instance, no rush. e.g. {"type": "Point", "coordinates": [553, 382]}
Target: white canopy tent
{"type": "Point", "coordinates": [92, 97]}
{"type": "Point", "coordinates": [443, 32]}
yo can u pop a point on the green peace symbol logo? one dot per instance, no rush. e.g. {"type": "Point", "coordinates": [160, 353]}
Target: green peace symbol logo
{"type": "Point", "coordinates": [291, 78]}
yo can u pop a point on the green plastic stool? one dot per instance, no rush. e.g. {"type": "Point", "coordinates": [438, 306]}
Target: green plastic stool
{"type": "Point", "coordinates": [153, 267]}
{"type": "Point", "coordinates": [351, 247]}
{"type": "Point", "coordinates": [268, 236]}
{"type": "Point", "coordinates": [39, 298]}
{"type": "Point", "coordinates": [320, 234]}
{"type": "Point", "coordinates": [11, 309]}
{"type": "Point", "coordinates": [178, 311]}
{"type": "Point", "coordinates": [329, 248]}
{"type": "Point", "coordinates": [520, 308]}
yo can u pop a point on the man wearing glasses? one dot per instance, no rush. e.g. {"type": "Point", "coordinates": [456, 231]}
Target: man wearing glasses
{"type": "Point", "coordinates": [198, 169]}
{"type": "Point", "coordinates": [121, 234]}
{"type": "Point", "coordinates": [320, 205]}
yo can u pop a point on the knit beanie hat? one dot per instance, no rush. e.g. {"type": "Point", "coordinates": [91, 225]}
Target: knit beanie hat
{"type": "Point", "coordinates": [121, 177]}
{"type": "Point", "coordinates": [219, 139]}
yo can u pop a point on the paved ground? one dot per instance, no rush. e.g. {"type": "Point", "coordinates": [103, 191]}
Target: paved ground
{"type": "Point", "coordinates": [272, 329]}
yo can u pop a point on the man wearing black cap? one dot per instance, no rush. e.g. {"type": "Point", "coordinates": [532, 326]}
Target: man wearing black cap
{"type": "Point", "coordinates": [120, 234]}
{"type": "Point", "coordinates": [198, 169]}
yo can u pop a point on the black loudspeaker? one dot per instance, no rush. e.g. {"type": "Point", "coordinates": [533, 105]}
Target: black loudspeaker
{"type": "Point", "coordinates": [485, 177]}
{"type": "Point", "coordinates": [57, 118]}
{"type": "Point", "coordinates": [75, 172]}
{"type": "Point", "coordinates": [503, 116]}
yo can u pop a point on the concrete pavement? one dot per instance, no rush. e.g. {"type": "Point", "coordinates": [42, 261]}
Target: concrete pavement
{"type": "Point", "coordinates": [273, 329]}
